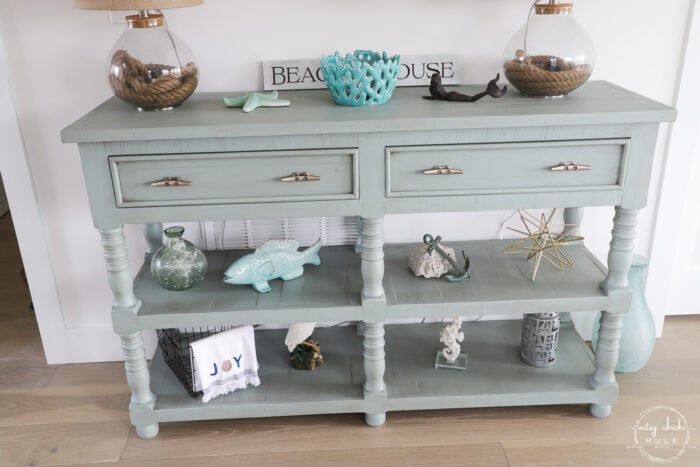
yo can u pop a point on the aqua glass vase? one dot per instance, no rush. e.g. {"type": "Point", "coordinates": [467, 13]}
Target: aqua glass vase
{"type": "Point", "coordinates": [638, 329]}
{"type": "Point", "coordinates": [178, 264]}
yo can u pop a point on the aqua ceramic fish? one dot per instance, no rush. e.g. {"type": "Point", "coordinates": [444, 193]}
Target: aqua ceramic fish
{"type": "Point", "coordinates": [273, 259]}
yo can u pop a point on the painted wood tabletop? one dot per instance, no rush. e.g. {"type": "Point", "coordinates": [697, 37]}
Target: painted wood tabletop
{"type": "Point", "coordinates": [312, 112]}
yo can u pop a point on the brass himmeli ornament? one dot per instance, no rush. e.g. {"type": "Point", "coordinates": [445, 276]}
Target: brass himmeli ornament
{"type": "Point", "coordinates": [541, 243]}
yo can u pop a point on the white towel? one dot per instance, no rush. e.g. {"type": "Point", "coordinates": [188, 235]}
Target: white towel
{"type": "Point", "coordinates": [224, 362]}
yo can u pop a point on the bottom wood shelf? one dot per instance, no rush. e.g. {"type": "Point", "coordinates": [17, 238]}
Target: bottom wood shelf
{"type": "Point", "coordinates": [334, 387]}
{"type": "Point", "coordinates": [495, 376]}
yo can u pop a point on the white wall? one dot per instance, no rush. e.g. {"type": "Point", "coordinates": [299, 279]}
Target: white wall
{"type": "Point", "coordinates": [55, 59]}
{"type": "Point", "coordinates": [4, 206]}
{"type": "Point", "coordinates": [676, 276]}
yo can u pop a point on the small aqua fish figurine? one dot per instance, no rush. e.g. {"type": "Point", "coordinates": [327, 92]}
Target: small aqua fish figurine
{"type": "Point", "coordinates": [273, 259]}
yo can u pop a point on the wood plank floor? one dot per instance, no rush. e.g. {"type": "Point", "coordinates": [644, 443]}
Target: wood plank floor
{"type": "Point", "coordinates": [77, 414]}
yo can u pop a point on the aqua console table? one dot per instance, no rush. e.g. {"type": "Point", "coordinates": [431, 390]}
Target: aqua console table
{"type": "Point", "coordinates": [371, 162]}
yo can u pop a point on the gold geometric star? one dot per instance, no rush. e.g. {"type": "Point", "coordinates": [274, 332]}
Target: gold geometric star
{"type": "Point", "coordinates": [541, 243]}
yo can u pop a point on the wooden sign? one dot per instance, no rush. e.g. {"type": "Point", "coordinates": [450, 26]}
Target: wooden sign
{"type": "Point", "coordinates": [415, 70]}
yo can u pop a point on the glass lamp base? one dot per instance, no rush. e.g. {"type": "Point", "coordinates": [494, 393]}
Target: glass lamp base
{"type": "Point", "coordinates": [140, 109]}
{"type": "Point", "coordinates": [151, 68]}
{"type": "Point", "coordinates": [442, 363]}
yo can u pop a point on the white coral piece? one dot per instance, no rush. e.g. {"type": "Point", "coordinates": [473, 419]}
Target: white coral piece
{"type": "Point", "coordinates": [297, 333]}
{"type": "Point", "coordinates": [452, 336]}
{"type": "Point", "coordinates": [430, 264]}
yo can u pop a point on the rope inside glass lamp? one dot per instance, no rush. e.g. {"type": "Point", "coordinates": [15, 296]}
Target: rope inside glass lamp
{"type": "Point", "coordinates": [163, 90]}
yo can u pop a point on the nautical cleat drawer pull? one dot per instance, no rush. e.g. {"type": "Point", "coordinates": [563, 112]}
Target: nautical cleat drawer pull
{"type": "Point", "coordinates": [443, 170]}
{"type": "Point", "coordinates": [565, 166]}
{"type": "Point", "coordinates": [171, 181]}
{"type": "Point", "coordinates": [301, 177]}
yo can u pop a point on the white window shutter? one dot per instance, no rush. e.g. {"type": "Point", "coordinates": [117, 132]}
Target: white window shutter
{"type": "Point", "coordinates": [249, 234]}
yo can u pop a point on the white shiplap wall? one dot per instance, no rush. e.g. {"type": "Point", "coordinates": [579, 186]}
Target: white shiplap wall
{"type": "Point", "coordinates": [250, 234]}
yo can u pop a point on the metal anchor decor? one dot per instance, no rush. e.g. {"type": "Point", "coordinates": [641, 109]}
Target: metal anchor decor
{"type": "Point", "coordinates": [456, 274]}
{"type": "Point", "coordinates": [438, 91]}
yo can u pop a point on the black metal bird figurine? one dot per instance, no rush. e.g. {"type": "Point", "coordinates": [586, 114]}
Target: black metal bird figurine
{"type": "Point", "coordinates": [438, 91]}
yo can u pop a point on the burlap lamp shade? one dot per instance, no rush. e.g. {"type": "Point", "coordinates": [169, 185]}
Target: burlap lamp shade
{"type": "Point", "coordinates": [133, 4]}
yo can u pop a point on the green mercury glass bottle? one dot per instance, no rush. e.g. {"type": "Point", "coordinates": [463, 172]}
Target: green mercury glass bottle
{"type": "Point", "coordinates": [178, 264]}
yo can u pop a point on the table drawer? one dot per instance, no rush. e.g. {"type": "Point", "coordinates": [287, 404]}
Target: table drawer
{"type": "Point", "coordinates": [506, 168]}
{"type": "Point", "coordinates": [225, 178]}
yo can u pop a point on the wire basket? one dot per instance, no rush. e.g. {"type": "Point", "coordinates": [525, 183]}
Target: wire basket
{"type": "Point", "coordinates": [361, 79]}
{"type": "Point", "coordinates": [175, 346]}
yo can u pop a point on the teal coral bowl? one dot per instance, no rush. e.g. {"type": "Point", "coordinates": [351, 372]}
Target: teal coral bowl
{"type": "Point", "coordinates": [361, 79]}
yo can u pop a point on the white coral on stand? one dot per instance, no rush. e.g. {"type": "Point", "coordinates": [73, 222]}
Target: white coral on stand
{"type": "Point", "coordinates": [452, 336]}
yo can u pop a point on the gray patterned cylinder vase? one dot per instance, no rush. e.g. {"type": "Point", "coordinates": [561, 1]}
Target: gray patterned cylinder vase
{"type": "Point", "coordinates": [540, 337]}
{"type": "Point", "coordinates": [178, 264]}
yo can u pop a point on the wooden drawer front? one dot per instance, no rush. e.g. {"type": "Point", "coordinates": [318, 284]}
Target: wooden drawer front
{"type": "Point", "coordinates": [226, 178]}
{"type": "Point", "coordinates": [506, 168]}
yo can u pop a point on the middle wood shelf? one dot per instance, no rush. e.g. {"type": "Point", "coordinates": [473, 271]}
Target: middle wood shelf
{"type": "Point", "coordinates": [331, 292]}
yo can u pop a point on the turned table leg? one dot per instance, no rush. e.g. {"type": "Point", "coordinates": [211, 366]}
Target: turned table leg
{"type": "Point", "coordinates": [137, 375]}
{"type": "Point", "coordinates": [360, 325]}
{"type": "Point", "coordinates": [572, 216]}
{"type": "Point", "coordinates": [374, 369]}
{"type": "Point", "coordinates": [153, 233]}
{"type": "Point", "coordinates": [372, 296]}
{"type": "Point", "coordinates": [615, 285]}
